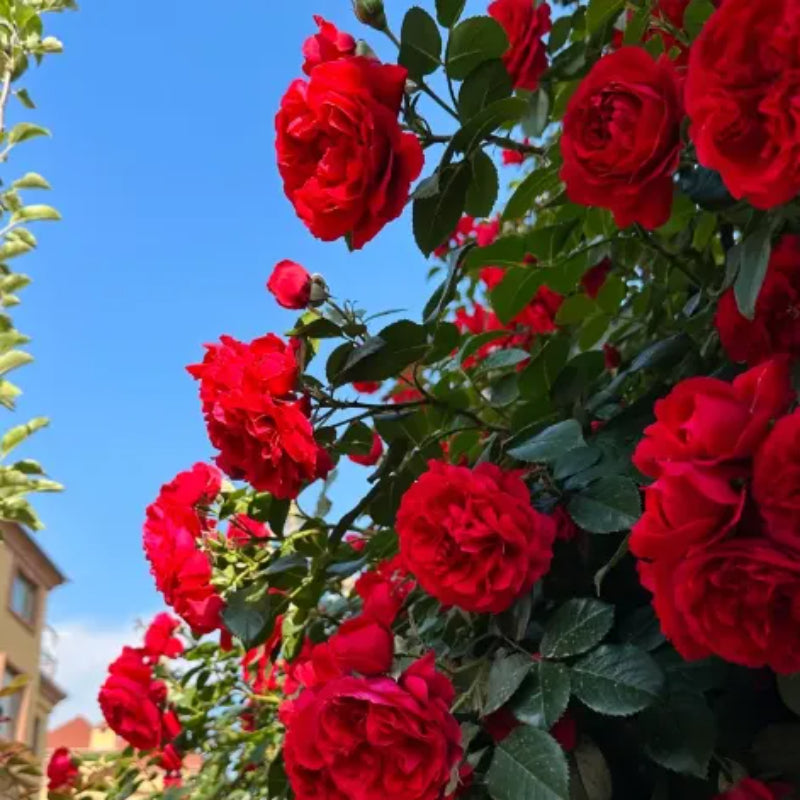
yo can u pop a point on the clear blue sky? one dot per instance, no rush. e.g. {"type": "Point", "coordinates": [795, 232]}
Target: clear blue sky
{"type": "Point", "coordinates": [163, 167]}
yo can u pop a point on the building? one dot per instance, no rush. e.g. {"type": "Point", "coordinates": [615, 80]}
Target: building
{"type": "Point", "coordinates": [27, 576]}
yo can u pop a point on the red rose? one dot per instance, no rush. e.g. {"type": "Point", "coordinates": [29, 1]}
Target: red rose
{"type": "Point", "coordinates": [742, 93]}
{"type": "Point", "coordinates": [367, 387]}
{"type": "Point", "coordinates": [612, 358]}
{"type": "Point", "coordinates": [346, 164]}
{"type": "Point", "coordinates": [539, 315]}
{"type": "Point", "coordinates": [261, 430]}
{"type": "Point", "coordinates": [131, 700]}
{"type": "Point", "coordinates": [472, 538]}
{"type": "Point", "coordinates": [384, 589]}
{"type": "Point", "coordinates": [464, 228]}
{"type": "Point", "coordinates": [776, 481]}
{"type": "Point", "coordinates": [371, 458]}
{"type": "Point", "coordinates": [500, 724]}
{"type": "Point", "coordinates": [736, 599]}
{"type": "Point", "coordinates": [362, 645]}
{"type": "Point", "coordinates": [513, 157]}
{"type": "Point", "coordinates": [244, 530]}
{"type": "Point", "coordinates": [686, 506]}
{"type": "Point", "coordinates": [621, 138]}
{"type": "Point", "coordinates": [776, 325]}
{"type": "Point", "coordinates": [565, 732]}
{"type": "Point", "coordinates": [62, 770]}
{"type": "Point", "coordinates": [709, 421]}
{"type": "Point", "coordinates": [595, 277]}
{"type": "Point", "coordinates": [525, 23]}
{"type": "Point", "coordinates": [172, 538]}
{"type": "Point", "coordinates": [373, 737]}
{"type": "Point", "coordinates": [290, 284]}
{"type": "Point", "coordinates": [486, 232]}
{"type": "Point", "coordinates": [327, 45]}
{"type": "Point", "coordinates": [566, 529]}
{"type": "Point", "coordinates": [160, 639]}
{"type": "Point", "coordinates": [750, 789]}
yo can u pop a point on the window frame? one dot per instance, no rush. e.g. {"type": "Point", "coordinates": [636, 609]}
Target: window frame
{"type": "Point", "coordinates": [19, 574]}
{"type": "Point", "coordinates": [18, 698]}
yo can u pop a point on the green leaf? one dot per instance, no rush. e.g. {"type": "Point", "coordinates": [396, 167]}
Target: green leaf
{"type": "Point", "coordinates": [550, 444]}
{"type": "Point", "coordinates": [420, 43]}
{"type": "Point", "coordinates": [516, 290]}
{"type": "Point", "coordinates": [559, 33]}
{"type": "Point", "coordinates": [601, 13]}
{"type": "Point", "coordinates": [472, 42]}
{"type": "Point", "coordinates": [637, 25]}
{"type": "Point", "coordinates": [608, 505]}
{"type": "Point", "coordinates": [246, 615]}
{"type": "Point", "coordinates": [316, 328]}
{"type": "Point", "coordinates": [37, 212]}
{"type": "Point", "coordinates": [664, 354]}
{"type": "Point", "coordinates": [534, 185]}
{"type": "Point", "coordinates": [642, 629]}
{"type": "Point", "coordinates": [439, 300]}
{"type": "Point", "coordinates": [695, 16]}
{"type": "Point", "coordinates": [13, 359]}
{"type": "Point", "coordinates": [575, 380]}
{"type": "Point", "coordinates": [753, 254]}
{"type": "Point", "coordinates": [503, 359]}
{"type": "Point", "coordinates": [448, 11]}
{"type": "Point", "coordinates": [500, 112]}
{"type": "Point", "coordinates": [505, 677]}
{"type": "Point", "coordinates": [24, 98]}
{"type": "Point", "coordinates": [356, 440]}
{"type": "Point", "coordinates": [474, 343]}
{"type": "Point", "coordinates": [536, 117]}
{"type": "Point", "coordinates": [577, 626]}
{"type": "Point", "coordinates": [679, 734]}
{"type": "Point", "coordinates": [486, 84]}
{"type": "Point", "coordinates": [528, 765]}
{"type": "Point", "coordinates": [617, 680]}
{"type": "Point", "coordinates": [543, 696]}
{"type": "Point", "coordinates": [575, 309]}
{"type": "Point", "coordinates": [18, 434]}
{"type": "Point", "coordinates": [576, 460]}
{"type": "Point", "coordinates": [435, 217]}
{"type": "Point", "coordinates": [31, 180]}
{"type": "Point", "coordinates": [483, 186]}
{"type": "Point", "coordinates": [26, 130]}
{"type": "Point", "coordinates": [789, 690]}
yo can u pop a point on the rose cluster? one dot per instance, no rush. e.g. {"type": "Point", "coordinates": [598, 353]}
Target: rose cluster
{"type": "Point", "coordinates": [254, 417]}
{"type": "Point", "coordinates": [719, 540]}
{"type": "Point", "coordinates": [346, 164]}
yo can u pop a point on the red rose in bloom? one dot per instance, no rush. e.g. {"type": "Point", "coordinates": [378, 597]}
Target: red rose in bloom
{"type": "Point", "coordinates": [737, 599]}
{"type": "Point", "coordinates": [131, 700]}
{"type": "Point", "coordinates": [371, 458]}
{"type": "Point", "coordinates": [621, 139]}
{"type": "Point", "coordinates": [262, 432]}
{"type": "Point", "coordinates": [258, 669]}
{"type": "Point", "coordinates": [327, 45]}
{"type": "Point", "coordinates": [565, 732]}
{"type": "Point", "coordinates": [365, 738]}
{"type": "Point", "coordinates": [244, 530]}
{"type": "Point", "coordinates": [384, 589]}
{"type": "Point", "coordinates": [170, 761]}
{"type": "Point", "coordinates": [566, 529]}
{"type": "Point", "coordinates": [345, 163]}
{"type": "Point", "coordinates": [500, 724]}
{"type": "Point", "coordinates": [709, 421]}
{"type": "Point", "coordinates": [750, 789]}
{"type": "Point", "coordinates": [612, 358]}
{"type": "Point", "coordinates": [472, 538]}
{"type": "Point", "coordinates": [742, 95]}
{"type": "Point", "coordinates": [539, 315]}
{"type": "Point", "coordinates": [464, 228]}
{"type": "Point", "coordinates": [595, 277]}
{"type": "Point", "coordinates": [172, 532]}
{"type": "Point", "coordinates": [776, 481]}
{"type": "Point", "coordinates": [525, 23]}
{"type": "Point", "coordinates": [686, 506]}
{"type": "Point", "coordinates": [290, 284]}
{"type": "Point", "coordinates": [160, 639]}
{"type": "Point", "coordinates": [62, 770]}
{"type": "Point", "coordinates": [511, 157]}
{"type": "Point", "coordinates": [367, 387]}
{"type": "Point", "coordinates": [487, 232]}
{"type": "Point", "coordinates": [776, 325]}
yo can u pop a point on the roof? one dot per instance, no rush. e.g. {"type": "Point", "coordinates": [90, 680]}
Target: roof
{"type": "Point", "coordinates": [76, 733]}
{"type": "Point", "coordinates": [51, 690]}
{"type": "Point", "coordinates": [19, 540]}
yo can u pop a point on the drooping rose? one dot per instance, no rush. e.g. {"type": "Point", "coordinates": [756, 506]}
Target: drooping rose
{"type": "Point", "coordinates": [373, 737]}
{"type": "Point", "coordinates": [327, 45]}
{"type": "Point", "coordinates": [290, 284]}
{"type": "Point", "coordinates": [345, 163]}
{"type": "Point", "coordinates": [621, 137]}
{"type": "Point", "coordinates": [525, 22]}
{"type": "Point", "coordinates": [776, 482]}
{"type": "Point", "coordinates": [708, 421]}
{"type": "Point", "coordinates": [160, 639]}
{"type": "Point", "coordinates": [742, 96]}
{"type": "Point", "coordinates": [261, 429]}
{"type": "Point", "coordinates": [685, 507]}
{"type": "Point", "coordinates": [371, 458]}
{"type": "Point", "coordinates": [775, 327]}
{"type": "Point", "coordinates": [62, 770]}
{"type": "Point", "coordinates": [472, 538]}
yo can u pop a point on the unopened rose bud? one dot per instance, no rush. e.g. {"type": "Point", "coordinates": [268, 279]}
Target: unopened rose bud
{"type": "Point", "coordinates": [363, 49]}
{"type": "Point", "coordinates": [319, 291]}
{"type": "Point", "coordinates": [371, 13]}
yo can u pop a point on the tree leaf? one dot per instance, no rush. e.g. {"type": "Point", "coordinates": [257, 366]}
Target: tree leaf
{"type": "Point", "coordinates": [528, 765]}
{"type": "Point", "coordinates": [438, 301]}
{"type": "Point", "coordinates": [503, 359]}
{"type": "Point", "coordinates": [435, 217]}
{"type": "Point", "coordinates": [19, 433]}
{"type": "Point", "coordinates": [486, 84]}
{"type": "Point", "coordinates": [543, 696]}
{"type": "Point", "coordinates": [608, 505]}
{"type": "Point", "coordinates": [695, 16]}
{"type": "Point", "coordinates": [23, 131]}
{"type": "Point", "coordinates": [246, 616]}
{"type": "Point", "coordinates": [505, 677]}
{"type": "Point", "coordinates": [448, 11]}
{"type": "Point", "coordinates": [536, 117]}
{"type": "Point", "coordinates": [534, 185]}
{"type": "Point", "coordinates": [577, 626]}
{"type": "Point", "coordinates": [420, 43]}
{"type": "Point", "coordinates": [483, 186]}
{"type": "Point", "coordinates": [31, 180]}
{"type": "Point", "coordinates": [550, 444]}
{"type": "Point", "coordinates": [789, 690]}
{"type": "Point", "coordinates": [753, 253]}
{"type": "Point", "coordinates": [472, 42]}
{"type": "Point", "coordinates": [602, 12]}
{"type": "Point", "coordinates": [617, 680]}
{"type": "Point", "coordinates": [35, 212]}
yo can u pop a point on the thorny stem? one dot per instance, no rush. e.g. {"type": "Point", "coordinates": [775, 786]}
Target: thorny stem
{"type": "Point", "coordinates": [673, 258]}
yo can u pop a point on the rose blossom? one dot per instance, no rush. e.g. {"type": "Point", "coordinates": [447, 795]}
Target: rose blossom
{"type": "Point", "coordinates": [160, 639]}
{"type": "Point", "coordinates": [62, 770]}
{"type": "Point", "coordinates": [368, 737]}
{"type": "Point", "coordinates": [594, 278]}
{"type": "Point", "coordinates": [525, 23]}
{"type": "Point", "coordinates": [775, 327]}
{"type": "Point", "coordinates": [708, 421]}
{"type": "Point", "coordinates": [472, 538]}
{"type": "Point", "coordinates": [327, 45]}
{"type": "Point", "coordinates": [751, 789]}
{"type": "Point", "coordinates": [367, 387]}
{"type": "Point", "coordinates": [621, 138]}
{"type": "Point", "coordinates": [290, 284]}
{"type": "Point", "coordinates": [346, 164]}
{"type": "Point", "coordinates": [372, 457]}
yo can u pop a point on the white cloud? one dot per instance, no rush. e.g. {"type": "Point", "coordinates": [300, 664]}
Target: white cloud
{"type": "Point", "coordinates": [83, 652]}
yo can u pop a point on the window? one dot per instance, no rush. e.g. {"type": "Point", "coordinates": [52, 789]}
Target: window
{"type": "Point", "coordinates": [10, 706]}
{"type": "Point", "coordinates": [23, 598]}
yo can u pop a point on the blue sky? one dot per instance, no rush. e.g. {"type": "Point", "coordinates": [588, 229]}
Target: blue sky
{"type": "Point", "coordinates": [163, 167]}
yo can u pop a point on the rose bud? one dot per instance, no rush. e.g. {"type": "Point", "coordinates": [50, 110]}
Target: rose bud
{"type": "Point", "coordinates": [371, 13]}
